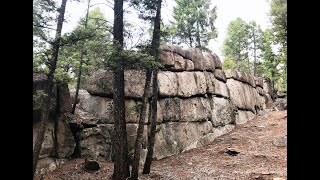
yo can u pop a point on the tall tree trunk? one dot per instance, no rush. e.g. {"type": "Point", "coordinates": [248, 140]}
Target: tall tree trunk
{"type": "Point", "coordinates": [198, 36]}
{"type": "Point", "coordinates": [190, 38]}
{"type": "Point", "coordinates": [121, 165]}
{"type": "Point", "coordinates": [254, 55]}
{"type": "Point", "coordinates": [155, 46]}
{"type": "Point", "coordinates": [81, 62]}
{"type": "Point", "coordinates": [137, 149]}
{"type": "Point", "coordinates": [53, 64]}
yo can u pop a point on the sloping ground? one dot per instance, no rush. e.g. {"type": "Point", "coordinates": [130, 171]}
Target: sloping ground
{"type": "Point", "coordinates": [261, 144]}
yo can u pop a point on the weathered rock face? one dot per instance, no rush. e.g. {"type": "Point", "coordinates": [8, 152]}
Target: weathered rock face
{"type": "Point", "coordinates": [58, 139]}
{"type": "Point", "coordinates": [101, 83]}
{"type": "Point", "coordinates": [100, 110]}
{"type": "Point", "coordinates": [175, 49]}
{"type": "Point", "coordinates": [198, 102]}
{"type": "Point", "coordinates": [222, 112]}
{"type": "Point", "coordinates": [219, 74]}
{"type": "Point", "coordinates": [244, 116]}
{"type": "Point", "coordinates": [258, 81]}
{"type": "Point", "coordinates": [65, 140]}
{"type": "Point", "coordinates": [47, 148]}
{"type": "Point", "coordinates": [167, 84]}
{"type": "Point", "coordinates": [191, 109]}
{"type": "Point", "coordinates": [240, 76]}
{"type": "Point", "coordinates": [196, 56]}
{"type": "Point", "coordinates": [220, 88]}
{"type": "Point", "coordinates": [242, 95]}
{"type": "Point", "coordinates": [174, 137]}
{"type": "Point", "coordinates": [217, 61]}
{"type": "Point", "coordinates": [281, 104]}
{"type": "Point", "coordinates": [187, 85]}
{"type": "Point", "coordinates": [97, 144]}
{"type": "Point", "coordinates": [260, 91]}
{"type": "Point", "coordinates": [40, 84]}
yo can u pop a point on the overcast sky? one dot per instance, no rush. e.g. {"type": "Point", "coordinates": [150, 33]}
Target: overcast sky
{"type": "Point", "coordinates": [227, 10]}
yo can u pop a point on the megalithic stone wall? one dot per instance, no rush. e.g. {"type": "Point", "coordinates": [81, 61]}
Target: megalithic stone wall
{"type": "Point", "coordinates": [198, 102]}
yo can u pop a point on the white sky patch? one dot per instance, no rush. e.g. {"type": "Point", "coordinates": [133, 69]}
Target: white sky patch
{"type": "Point", "coordinates": [227, 11]}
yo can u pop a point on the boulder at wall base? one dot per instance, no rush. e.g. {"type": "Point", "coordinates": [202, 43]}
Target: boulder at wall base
{"type": "Point", "coordinates": [48, 164]}
{"type": "Point", "coordinates": [281, 104]}
{"type": "Point", "coordinates": [174, 137]}
{"type": "Point", "coordinates": [65, 140]}
{"type": "Point", "coordinates": [91, 165]}
{"type": "Point", "coordinates": [191, 109]}
{"type": "Point", "coordinates": [96, 142]}
{"type": "Point", "coordinates": [222, 112]}
{"type": "Point", "coordinates": [100, 83]}
{"type": "Point", "coordinates": [244, 116]}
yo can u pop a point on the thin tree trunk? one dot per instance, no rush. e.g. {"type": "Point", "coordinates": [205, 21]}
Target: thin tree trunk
{"type": "Point", "coordinates": [53, 64]}
{"type": "Point", "coordinates": [190, 38]}
{"type": "Point", "coordinates": [198, 36]}
{"type": "Point", "coordinates": [152, 133]}
{"type": "Point", "coordinates": [254, 55]}
{"type": "Point", "coordinates": [121, 165]}
{"type": "Point", "coordinates": [80, 66]}
{"type": "Point", "coordinates": [137, 149]}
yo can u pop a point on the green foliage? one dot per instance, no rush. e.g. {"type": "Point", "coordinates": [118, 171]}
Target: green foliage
{"type": "Point", "coordinates": [228, 64]}
{"type": "Point", "coordinates": [194, 22]}
{"type": "Point", "coordinates": [146, 8]}
{"type": "Point", "coordinates": [38, 99]}
{"type": "Point", "coordinates": [278, 13]}
{"type": "Point", "coordinates": [132, 60]}
{"type": "Point", "coordinates": [236, 45]}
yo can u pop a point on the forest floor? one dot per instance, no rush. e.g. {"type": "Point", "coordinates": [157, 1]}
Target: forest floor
{"type": "Point", "coordinates": [262, 154]}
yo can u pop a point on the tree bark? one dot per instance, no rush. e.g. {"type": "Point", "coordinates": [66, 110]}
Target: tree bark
{"type": "Point", "coordinates": [121, 164]}
{"type": "Point", "coordinates": [254, 55]}
{"type": "Point", "coordinates": [137, 149]}
{"type": "Point", "coordinates": [155, 46]}
{"type": "Point", "coordinates": [198, 36]}
{"type": "Point", "coordinates": [53, 64]}
{"type": "Point", "coordinates": [81, 62]}
{"type": "Point", "coordinates": [190, 38]}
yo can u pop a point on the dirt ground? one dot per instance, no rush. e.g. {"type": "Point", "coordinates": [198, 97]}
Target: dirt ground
{"type": "Point", "coordinates": [261, 144]}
